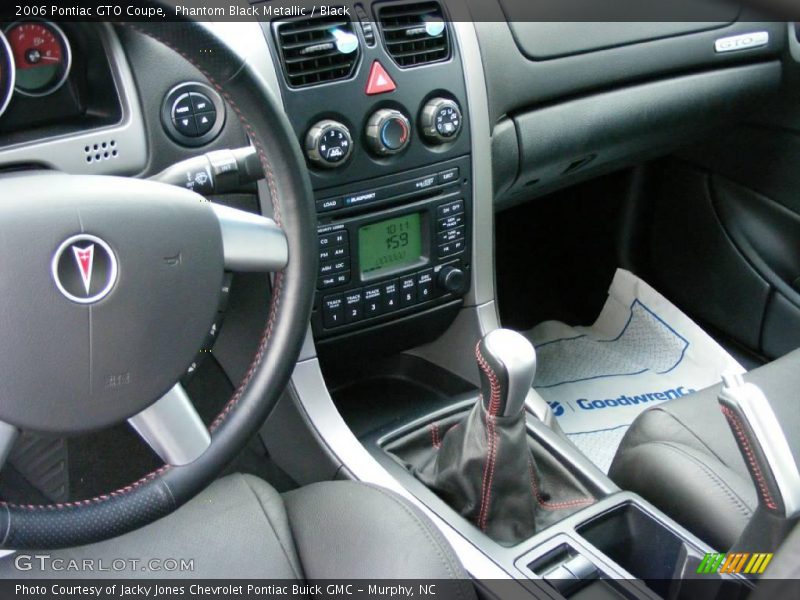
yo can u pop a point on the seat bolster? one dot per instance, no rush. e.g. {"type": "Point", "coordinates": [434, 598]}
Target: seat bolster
{"type": "Point", "coordinates": [694, 488]}
{"type": "Point", "coordinates": [353, 530]}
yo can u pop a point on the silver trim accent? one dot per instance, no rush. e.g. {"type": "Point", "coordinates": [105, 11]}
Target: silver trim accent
{"type": "Point", "coordinates": [516, 354]}
{"type": "Point", "coordinates": [12, 69]}
{"type": "Point", "coordinates": [8, 435]}
{"type": "Point", "coordinates": [745, 41]}
{"type": "Point", "coordinates": [67, 50]}
{"type": "Point", "coordinates": [482, 290]}
{"type": "Point", "coordinates": [173, 429]}
{"type": "Point", "coordinates": [251, 242]}
{"type": "Point", "coordinates": [66, 153]}
{"type": "Point", "coordinates": [753, 404]}
{"type": "Point", "coordinates": [112, 279]}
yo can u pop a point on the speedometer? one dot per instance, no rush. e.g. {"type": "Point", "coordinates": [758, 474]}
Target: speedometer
{"type": "Point", "coordinates": [42, 56]}
{"type": "Point", "coordinates": [6, 73]}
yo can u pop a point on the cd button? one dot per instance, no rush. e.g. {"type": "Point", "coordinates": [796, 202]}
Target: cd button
{"type": "Point", "coordinates": [353, 309]}
{"type": "Point", "coordinates": [333, 311]}
{"type": "Point", "coordinates": [391, 296]}
{"type": "Point", "coordinates": [425, 285]}
{"type": "Point", "coordinates": [408, 291]}
{"type": "Point", "coordinates": [373, 301]}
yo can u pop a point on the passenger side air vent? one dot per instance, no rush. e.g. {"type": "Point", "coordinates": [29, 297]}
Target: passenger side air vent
{"type": "Point", "coordinates": [414, 33]}
{"type": "Point", "coordinates": [318, 50]}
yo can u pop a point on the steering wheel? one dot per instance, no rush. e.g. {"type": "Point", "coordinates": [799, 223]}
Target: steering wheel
{"type": "Point", "coordinates": [112, 284]}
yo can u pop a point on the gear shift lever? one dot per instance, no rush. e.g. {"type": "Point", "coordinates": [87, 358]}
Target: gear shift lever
{"type": "Point", "coordinates": [484, 466]}
{"type": "Point", "coordinates": [507, 363]}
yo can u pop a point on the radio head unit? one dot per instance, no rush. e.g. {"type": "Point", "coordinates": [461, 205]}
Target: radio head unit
{"type": "Point", "coordinates": [394, 255]}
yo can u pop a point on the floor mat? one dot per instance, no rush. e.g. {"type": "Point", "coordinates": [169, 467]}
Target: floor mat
{"type": "Point", "coordinates": [641, 351]}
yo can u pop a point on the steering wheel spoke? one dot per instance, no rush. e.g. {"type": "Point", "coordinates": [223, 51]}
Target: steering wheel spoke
{"type": "Point", "coordinates": [251, 242]}
{"type": "Point", "coordinates": [172, 428]}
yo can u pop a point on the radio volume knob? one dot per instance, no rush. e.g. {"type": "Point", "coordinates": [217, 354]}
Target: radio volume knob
{"type": "Point", "coordinates": [441, 120]}
{"type": "Point", "coordinates": [388, 132]}
{"type": "Point", "coordinates": [452, 280]}
{"type": "Point", "coordinates": [329, 144]}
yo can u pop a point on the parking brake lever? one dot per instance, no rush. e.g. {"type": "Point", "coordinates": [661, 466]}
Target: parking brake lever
{"type": "Point", "coordinates": [216, 172]}
{"type": "Point", "coordinates": [769, 460]}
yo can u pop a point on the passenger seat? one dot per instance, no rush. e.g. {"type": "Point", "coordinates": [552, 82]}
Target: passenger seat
{"type": "Point", "coordinates": [682, 457]}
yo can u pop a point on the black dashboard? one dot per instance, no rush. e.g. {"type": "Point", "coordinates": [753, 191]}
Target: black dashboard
{"type": "Point", "coordinates": [381, 104]}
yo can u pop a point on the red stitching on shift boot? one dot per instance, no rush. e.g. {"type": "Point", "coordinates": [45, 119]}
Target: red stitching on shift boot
{"type": "Point", "coordinates": [491, 438]}
{"type": "Point", "coordinates": [546, 505]}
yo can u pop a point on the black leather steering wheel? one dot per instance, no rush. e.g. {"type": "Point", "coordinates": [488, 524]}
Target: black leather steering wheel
{"type": "Point", "coordinates": [83, 355]}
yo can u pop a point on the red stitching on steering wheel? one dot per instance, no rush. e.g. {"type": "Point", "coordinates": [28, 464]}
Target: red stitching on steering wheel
{"type": "Point", "coordinates": [274, 302]}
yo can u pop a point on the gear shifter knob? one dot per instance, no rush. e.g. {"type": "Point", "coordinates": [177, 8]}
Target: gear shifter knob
{"type": "Point", "coordinates": [507, 363]}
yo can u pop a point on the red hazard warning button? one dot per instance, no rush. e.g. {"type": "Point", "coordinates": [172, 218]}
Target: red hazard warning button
{"type": "Point", "coordinates": [379, 80]}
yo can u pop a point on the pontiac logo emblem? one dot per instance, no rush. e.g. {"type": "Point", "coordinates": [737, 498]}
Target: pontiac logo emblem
{"type": "Point", "coordinates": [84, 269]}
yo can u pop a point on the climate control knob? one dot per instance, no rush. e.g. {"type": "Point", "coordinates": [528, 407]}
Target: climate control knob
{"type": "Point", "coordinates": [441, 120]}
{"type": "Point", "coordinates": [388, 132]}
{"type": "Point", "coordinates": [452, 280]}
{"type": "Point", "coordinates": [329, 144]}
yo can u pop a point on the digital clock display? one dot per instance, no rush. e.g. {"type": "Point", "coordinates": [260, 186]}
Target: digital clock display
{"type": "Point", "coordinates": [390, 245]}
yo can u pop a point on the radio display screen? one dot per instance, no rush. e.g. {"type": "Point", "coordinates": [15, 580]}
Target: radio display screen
{"type": "Point", "coordinates": [390, 245]}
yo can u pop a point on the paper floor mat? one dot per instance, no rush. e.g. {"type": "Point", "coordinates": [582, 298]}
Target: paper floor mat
{"type": "Point", "coordinates": [640, 352]}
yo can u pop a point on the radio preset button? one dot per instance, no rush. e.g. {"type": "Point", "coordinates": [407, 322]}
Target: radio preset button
{"type": "Point", "coordinates": [353, 309]}
{"type": "Point", "coordinates": [391, 296]}
{"type": "Point", "coordinates": [373, 301]}
{"type": "Point", "coordinates": [408, 291]}
{"type": "Point", "coordinates": [332, 311]}
{"type": "Point", "coordinates": [425, 285]}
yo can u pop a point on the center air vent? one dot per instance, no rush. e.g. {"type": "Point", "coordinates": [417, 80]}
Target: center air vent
{"type": "Point", "coordinates": [415, 33]}
{"type": "Point", "coordinates": [315, 51]}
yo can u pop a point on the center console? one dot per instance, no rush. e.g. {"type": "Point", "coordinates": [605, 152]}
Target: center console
{"type": "Point", "coordinates": [378, 102]}
{"type": "Point", "coordinates": [390, 107]}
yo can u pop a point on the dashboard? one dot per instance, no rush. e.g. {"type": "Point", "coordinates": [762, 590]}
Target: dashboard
{"type": "Point", "coordinates": [417, 120]}
{"type": "Point", "coordinates": [54, 79]}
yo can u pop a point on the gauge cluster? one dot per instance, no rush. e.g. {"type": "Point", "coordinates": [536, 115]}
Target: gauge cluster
{"type": "Point", "coordinates": [55, 79]}
{"type": "Point", "coordinates": [35, 59]}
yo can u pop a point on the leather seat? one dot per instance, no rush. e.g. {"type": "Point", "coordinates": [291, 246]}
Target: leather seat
{"type": "Point", "coordinates": [241, 528]}
{"type": "Point", "coordinates": [683, 458]}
